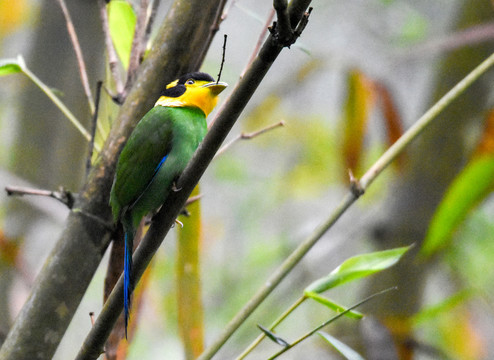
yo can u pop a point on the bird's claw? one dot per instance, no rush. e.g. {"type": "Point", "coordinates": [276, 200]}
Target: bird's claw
{"type": "Point", "coordinates": [175, 188]}
{"type": "Point", "coordinates": [181, 224]}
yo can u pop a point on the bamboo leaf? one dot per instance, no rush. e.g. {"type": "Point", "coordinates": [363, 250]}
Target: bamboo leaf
{"type": "Point", "coordinates": [472, 185]}
{"type": "Point", "coordinates": [122, 22]}
{"type": "Point", "coordinates": [334, 306]}
{"type": "Point", "coordinates": [9, 66]}
{"type": "Point", "coordinates": [357, 267]}
{"type": "Point", "coordinates": [444, 307]}
{"type": "Point", "coordinates": [342, 348]}
{"type": "Point", "coordinates": [272, 336]}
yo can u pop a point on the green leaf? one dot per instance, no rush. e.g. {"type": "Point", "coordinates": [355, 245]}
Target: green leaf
{"type": "Point", "coordinates": [357, 267]}
{"type": "Point", "coordinates": [9, 66]}
{"type": "Point", "coordinates": [122, 22]}
{"type": "Point", "coordinates": [272, 336]}
{"type": "Point", "coordinates": [342, 348]}
{"type": "Point", "coordinates": [334, 306]}
{"type": "Point", "coordinates": [414, 28]}
{"type": "Point", "coordinates": [432, 312]}
{"type": "Point", "coordinates": [471, 186]}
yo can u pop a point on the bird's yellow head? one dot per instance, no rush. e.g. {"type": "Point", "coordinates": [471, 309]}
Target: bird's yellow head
{"type": "Point", "coordinates": [195, 89]}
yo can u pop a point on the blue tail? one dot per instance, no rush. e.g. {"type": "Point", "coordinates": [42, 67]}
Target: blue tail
{"type": "Point", "coordinates": [129, 243]}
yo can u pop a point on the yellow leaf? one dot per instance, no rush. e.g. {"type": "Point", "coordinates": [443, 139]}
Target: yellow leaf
{"type": "Point", "coordinates": [190, 309]}
{"type": "Point", "coordinates": [12, 14]}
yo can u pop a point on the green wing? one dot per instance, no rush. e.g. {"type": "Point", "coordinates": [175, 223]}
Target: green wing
{"type": "Point", "coordinates": [148, 144]}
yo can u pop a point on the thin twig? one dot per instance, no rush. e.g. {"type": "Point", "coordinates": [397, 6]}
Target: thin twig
{"type": "Point", "coordinates": [260, 40]}
{"type": "Point", "coordinates": [222, 58]}
{"type": "Point", "coordinates": [150, 21]}
{"type": "Point", "coordinates": [78, 54]}
{"type": "Point", "coordinates": [91, 317]}
{"type": "Point", "coordinates": [282, 317]}
{"type": "Point", "coordinates": [64, 196]}
{"type": "Point", "coordinates": [193, 199]}
{"type": "Point", "coordinates": [61, 106]}
{"type": "Point", "coordinates": [467, 37]}
{"type": "Point", "coordinates": [112, 54]}
{"type": "Point", "coordinates": [138, 44]}
{"type": "Point", "coordinates": [248, 136]}
{"type": "Point", "coordinates": [226, 11]}
{"type": "Point", "coordinates": [301, 25]}
{"type": "Point", "coordinates": [334, 318]}
{"type": "Point", "coordinates": [94, 123]}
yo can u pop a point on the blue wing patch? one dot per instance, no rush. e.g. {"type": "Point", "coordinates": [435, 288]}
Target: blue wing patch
{"type": "Point", "coordinates": [160, 164]}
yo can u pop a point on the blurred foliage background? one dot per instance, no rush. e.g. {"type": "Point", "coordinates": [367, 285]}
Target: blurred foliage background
{"type": "Point", "coordinates": [362, 72]}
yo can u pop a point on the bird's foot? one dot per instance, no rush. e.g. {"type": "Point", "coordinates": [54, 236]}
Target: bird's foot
{"type": "Point", "coordinates": [181, 224]}
{"type": "Point", "coordinates": [175, 188]}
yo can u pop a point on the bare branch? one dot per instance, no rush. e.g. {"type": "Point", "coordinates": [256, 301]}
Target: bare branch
{"type": "Point", "coordinates": [112, 54]}
{"type": "Point", "coordinates": [468, 37]}
{"type": "Point", "coordinates": [62, 195]}
{"type": "Point", "coordinates": [93, 127]}
{"type": "Point", "coordinates": [138, 44]}
{"type": "Point", "coordinates": [260, 40]}
{"type": "Point", "coordinates": [78, 54]}
{"type": "Point", "coordinates": [150, 21]}
{"type": "Point", "coordinates": [247, 136]}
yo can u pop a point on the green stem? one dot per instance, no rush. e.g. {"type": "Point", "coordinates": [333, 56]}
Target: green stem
{"type": "Point", "coordinates": [334, 318]}
{"type": "Point", "coordinates": [56, 101]}
{"type": "Point", "coordinates": [282, 317]}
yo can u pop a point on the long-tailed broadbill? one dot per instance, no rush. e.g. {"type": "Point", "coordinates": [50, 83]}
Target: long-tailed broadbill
{"type": "Point", "coordinates": [156, 153]}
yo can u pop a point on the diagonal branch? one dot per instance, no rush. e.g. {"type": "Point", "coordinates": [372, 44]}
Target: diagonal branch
{"type": "Point", "coordinates": [164, 219]}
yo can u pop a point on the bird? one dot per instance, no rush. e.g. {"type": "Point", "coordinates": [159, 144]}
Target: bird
{"type": "Point", "coordinates": [155, 155]}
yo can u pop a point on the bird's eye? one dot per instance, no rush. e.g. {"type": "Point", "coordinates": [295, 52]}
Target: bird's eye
{"type": "Point", "coordinates": [190, 82]}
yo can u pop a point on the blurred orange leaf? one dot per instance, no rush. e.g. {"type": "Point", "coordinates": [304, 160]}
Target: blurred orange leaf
{"type": "Point", "coordinates": [392, 118]}
{"type": "Point", "coordinates": [358, 105]}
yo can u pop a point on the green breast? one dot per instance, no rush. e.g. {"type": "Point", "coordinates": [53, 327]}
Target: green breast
{"type": "Point", "coordinates": [163, 131]}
